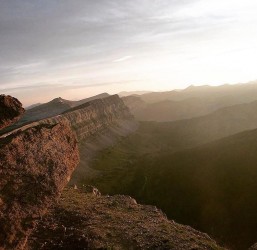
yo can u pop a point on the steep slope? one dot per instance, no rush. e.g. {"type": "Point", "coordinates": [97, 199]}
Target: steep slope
{"type": "Point", "coordinates": [35, 166]}
{"type": "Point", "coordinates": [10, 110]}
{"type": "Point", "coordinates": [86, 221]}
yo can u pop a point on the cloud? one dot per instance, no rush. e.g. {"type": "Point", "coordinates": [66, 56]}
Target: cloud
{"type": "Point", "coordinates": [124, 58]}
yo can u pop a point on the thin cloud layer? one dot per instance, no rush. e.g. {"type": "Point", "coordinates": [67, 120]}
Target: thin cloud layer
{"type": "Point", "coordinates": [155, 44]}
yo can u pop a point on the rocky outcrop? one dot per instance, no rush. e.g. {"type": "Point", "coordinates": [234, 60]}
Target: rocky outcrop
{"type": "Point", "coordinates": [10, 110]}
{"type": "Point", "coordinates": [92, 117]}
{"type": "Point", "coordinates": [89, 221]}
{"type": "Point", "coordinates": [35, 165]}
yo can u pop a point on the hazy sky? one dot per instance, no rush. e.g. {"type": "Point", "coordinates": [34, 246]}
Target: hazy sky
{"type": "Point", "coordinates": [77, 48]}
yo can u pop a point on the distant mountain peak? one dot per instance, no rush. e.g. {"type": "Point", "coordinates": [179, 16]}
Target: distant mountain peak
{"type": "Point", "coordinates": [58, 99]}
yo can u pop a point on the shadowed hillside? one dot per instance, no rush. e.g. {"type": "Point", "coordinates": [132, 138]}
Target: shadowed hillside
{"type": "Point", "coordinates": [211, 187]}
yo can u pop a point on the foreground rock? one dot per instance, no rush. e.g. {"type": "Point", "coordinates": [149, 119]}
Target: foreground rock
{"type": "Point", "coordinates": [35, 165]}
{"type": "Point", "coordinates": [10, 110]}
{"type": "Point", "coordinates": [88, 221]}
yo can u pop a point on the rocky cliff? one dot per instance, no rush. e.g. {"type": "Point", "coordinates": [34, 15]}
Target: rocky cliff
{"type": "Point", "coordinates": [10, 110]}
{"type": "Point", "coordinates": [94, 116]}
{"type": "Point", "coordinates": [35, 165]}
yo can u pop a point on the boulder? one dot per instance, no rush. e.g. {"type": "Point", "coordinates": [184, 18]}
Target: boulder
{"type": "Point", "coordinates": [10, 110]}
{"type": "Point", "coordinates": [35, 165]}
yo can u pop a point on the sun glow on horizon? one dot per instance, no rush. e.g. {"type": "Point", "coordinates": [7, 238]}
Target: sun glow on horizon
{"type": "Point", "coordinates": [155, 46]}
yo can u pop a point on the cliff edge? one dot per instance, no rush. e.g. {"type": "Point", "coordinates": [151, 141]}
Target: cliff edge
{"type": "Point", "coordinates": [87, 220]}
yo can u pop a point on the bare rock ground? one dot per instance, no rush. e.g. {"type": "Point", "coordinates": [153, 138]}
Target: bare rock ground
{"type": "Point", "coordinates": [89, 221]}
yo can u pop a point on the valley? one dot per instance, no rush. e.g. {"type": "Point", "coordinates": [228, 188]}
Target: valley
{"type": "Point", "coordinates": [199, 171]}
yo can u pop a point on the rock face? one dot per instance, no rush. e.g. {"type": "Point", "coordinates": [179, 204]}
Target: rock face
{"type": "Point", "coordinates": [10, 110]}
{"type": "Point", "coordinates": [94, 116]}
{"type": "Point", "coordinates": [35, 165]}
{"type": "Point", "coordinates": [88, 221]}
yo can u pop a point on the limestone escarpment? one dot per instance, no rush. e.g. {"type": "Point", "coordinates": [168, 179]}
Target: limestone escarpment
{"type": "Point", "coordinates": [96, 115]}
{"type": "Point", "coordinates": [35, 165]}
{"type": "Point", "coordinates": [89, 221]}
{"type": "Point", "coordinates": [10, 110]}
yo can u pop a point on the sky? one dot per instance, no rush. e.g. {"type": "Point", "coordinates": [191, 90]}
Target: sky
{"type": "Point", "coordinates": [79, 48]}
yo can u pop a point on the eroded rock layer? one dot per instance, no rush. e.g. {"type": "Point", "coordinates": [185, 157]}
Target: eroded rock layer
{"type": "Point", "coordinates": [35, 165]}
{"type": "Point", "coordinates": [94, 116]}
{"type": "Point", "coordinates": [10, 110]}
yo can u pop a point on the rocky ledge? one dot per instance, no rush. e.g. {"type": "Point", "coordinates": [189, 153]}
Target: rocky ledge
{"type": "Point", "coordinates": [35, 165]}
{"type": "Point", "coordinates": [83, 220]}
{"type": "Point", "coordinates": [10, 110]}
